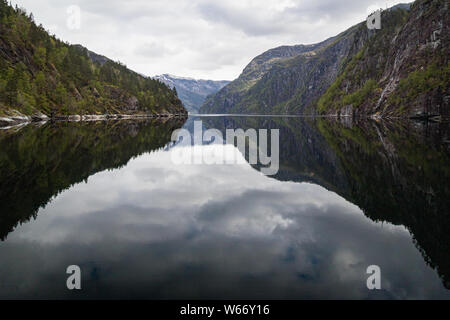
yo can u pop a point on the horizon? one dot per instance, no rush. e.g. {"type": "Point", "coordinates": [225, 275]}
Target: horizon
{"type": "Point", "coordinates": [227, 36]}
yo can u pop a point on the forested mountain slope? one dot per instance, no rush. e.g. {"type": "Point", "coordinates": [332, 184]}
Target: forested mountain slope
{"type": "Point", "coordinates": [41, 74]}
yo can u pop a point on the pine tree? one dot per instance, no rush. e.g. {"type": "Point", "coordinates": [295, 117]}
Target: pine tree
{"type": "Point", "coordinates": [41, 73]}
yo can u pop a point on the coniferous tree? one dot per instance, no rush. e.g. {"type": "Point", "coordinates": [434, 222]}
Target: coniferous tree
{"type": "Point", "coordinates": [41, 73]}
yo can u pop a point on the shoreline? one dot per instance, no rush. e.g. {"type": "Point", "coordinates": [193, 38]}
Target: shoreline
{"type": "Point", "coordinates": [428, 118]}
{"type": "Point", "coordinates": [16, 121]}
{"type": "Point", "coordinates": [13, 121]}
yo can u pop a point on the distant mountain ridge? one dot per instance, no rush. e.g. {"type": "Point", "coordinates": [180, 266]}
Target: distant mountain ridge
{"type": "Point", "coordinates": [192, 92]}
{"type": "Point", "coordinates": [401, 70]}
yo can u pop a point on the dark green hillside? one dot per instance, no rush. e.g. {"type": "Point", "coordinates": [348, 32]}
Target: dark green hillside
{"type": "Point", "coordinates": [39, 73]}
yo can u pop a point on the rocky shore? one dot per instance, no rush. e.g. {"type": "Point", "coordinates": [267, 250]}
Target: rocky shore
{"type": "Point", "coordinates": [350, 112]}
{"type": "Point", "coordinates": [19, 119]}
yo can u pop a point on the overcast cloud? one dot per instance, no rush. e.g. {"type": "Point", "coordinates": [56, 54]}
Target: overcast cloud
{"type": "Point", "coordinates": [197, 38]}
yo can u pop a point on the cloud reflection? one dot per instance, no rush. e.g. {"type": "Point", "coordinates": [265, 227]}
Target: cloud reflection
{"type": "Point", "coordinates": [155, 230]}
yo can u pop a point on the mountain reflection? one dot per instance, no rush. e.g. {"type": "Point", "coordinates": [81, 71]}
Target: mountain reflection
{"type": "Point", "coordinates": [396, 172]}
{"type": "Point", "coordinates": [154, 230]}
{"type": "Point", "coordinates": [38, 162]}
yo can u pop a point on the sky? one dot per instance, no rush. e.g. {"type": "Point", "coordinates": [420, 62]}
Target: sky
{"type": "Point", "coordinates": [201, 39]}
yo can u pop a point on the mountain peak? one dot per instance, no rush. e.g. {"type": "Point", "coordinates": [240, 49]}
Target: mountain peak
{"type": "Point", "coordinates": [192, 92]}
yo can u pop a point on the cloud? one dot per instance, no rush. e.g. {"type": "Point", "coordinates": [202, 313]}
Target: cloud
{"type": "Point", "coordinates": [245, 21]}
{"type": "Point", "coordinates": [199, 38]}
{"type": "Point", "coordinates": [153, 50]}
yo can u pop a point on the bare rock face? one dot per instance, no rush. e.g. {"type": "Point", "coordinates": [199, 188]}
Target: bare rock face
{"type": "Point", "coordinates": [402, 71]}
{"type": "Point", "coordinates": [422, 42]}
{"type": "Point", "coordinates": [132, 104]}
{"type": "Point", "coordinates": [398, 71]}
{"type": "Point", "coordinates": [289, 79]}
{"type": "Point", "coordinates": [77, 94]}
{"type": "Point", "coordinates": [126, 103]}
{"type": "Point", "coordinates": [113, 92]}
{"type": "Point", "coordinates": [95, 93]}
{"type": "Point", "coordinates": [275, 76]}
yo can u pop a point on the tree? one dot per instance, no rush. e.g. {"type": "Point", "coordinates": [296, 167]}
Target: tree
{"type": "Point", "coordinates": [11, 88]}
{"type": "Point", "coordinates": [40, 57]}
{"type": "Point", "coordinates": [60, 94]}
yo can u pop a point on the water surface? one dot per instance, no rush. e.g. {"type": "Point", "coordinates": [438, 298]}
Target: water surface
{"type": "Point", "coordinates": [106, 196]}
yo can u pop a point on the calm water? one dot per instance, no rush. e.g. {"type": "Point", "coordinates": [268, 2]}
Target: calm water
{"type": "Point", "coordinates": [107, 197]}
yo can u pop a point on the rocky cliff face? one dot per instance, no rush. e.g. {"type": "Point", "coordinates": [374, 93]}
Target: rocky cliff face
{"type": "Point", "coordinates": [230, 98]}
{"type": "Point", "coordinates": [400, 70]}
{"type": "Point", "coordinates": [192, 92]}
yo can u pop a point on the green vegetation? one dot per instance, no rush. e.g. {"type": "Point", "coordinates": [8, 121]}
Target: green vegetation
{"type": "Point", "coordinates": [329, 97]}
{"type": "Point", "coordinates": [417, 82]}
{"type": "Point", "coordinates": [363, 77]}
{"type": "Point", "coordinates": [41, 73]}
{"type": "Point", "coordinates": [358, 97]}
{"type": "Point", "coordinates": [359, 78]}
{"type": "Point", "coordinates": [335, 97]}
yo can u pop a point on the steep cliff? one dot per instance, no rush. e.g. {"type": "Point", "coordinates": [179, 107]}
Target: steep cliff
{"type": "Point", "coordinates": [235, 96]}
{"type": "Point", "coordinates": [400, 70]}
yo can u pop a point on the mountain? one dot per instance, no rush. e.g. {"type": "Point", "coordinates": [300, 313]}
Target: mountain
{"type": "Point", "coordinates": [41, 75]}
{"type": "Point", "coordinates": [191, 92]}
{"type": "Point", "coordinates": [400, 70]}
